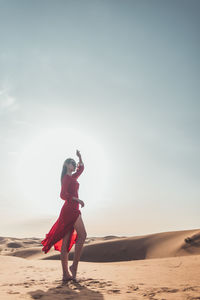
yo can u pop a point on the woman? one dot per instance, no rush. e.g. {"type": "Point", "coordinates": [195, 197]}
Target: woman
{"type": "Point", "coordinates": [69, 228]}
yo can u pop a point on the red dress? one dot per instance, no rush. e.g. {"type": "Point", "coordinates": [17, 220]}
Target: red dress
{"type": "Point", "coordinates": [68, 214]}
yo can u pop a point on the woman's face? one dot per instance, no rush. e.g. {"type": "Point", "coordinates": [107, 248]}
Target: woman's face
{"type": "Point", "coordinates": [72, 165]}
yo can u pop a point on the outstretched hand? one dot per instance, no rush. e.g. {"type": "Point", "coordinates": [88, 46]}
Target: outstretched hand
{"type": "Point", "coordinates": [78, 153]}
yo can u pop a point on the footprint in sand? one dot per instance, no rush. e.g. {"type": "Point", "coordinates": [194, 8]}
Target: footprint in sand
{"type": "Point", "coordinates": [94, 281]}
{"type": "Point", "coordinates": [115, 291]}
{"type": "Point", "coordinates": [151, 293]}
{"type": "Point", "coordinates": [37, 295]}
{"type": "Point", "coordinates": [167, 290]}
{"type": "Point", "coordinates": [133, 287]}
{"type": "Point", "coordinates": [13, 292]}
{"type": "Point", "coordinates": [101, 284]}
{"type": "Point", "coordinates": [191, 288]}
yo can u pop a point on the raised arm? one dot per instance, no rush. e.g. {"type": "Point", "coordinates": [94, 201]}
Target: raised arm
{"type": "Point", "coordinates": [79, 170]}
{"type": "Point", "coordinates": [80, 166]}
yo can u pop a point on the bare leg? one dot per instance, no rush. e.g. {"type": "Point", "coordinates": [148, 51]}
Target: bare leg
{"type": "Point", "coordinates": [81, 232]}
{"type": "Point", "coordinates": [64, 258]}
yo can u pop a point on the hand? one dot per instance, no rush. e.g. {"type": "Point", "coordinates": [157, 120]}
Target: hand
{"type": "Point", "coordinates": [78, 153]}
{"type": "Point", "coordinates": [81, 203]}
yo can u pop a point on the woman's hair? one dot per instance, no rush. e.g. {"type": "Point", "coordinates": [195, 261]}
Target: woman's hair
{"type": "Point", "coordinates": [64, 169]}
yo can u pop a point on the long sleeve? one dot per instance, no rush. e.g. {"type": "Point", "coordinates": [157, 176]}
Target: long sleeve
{"type": "Point", "coordinates": [64, 194]}
{"type": "Point", "coordinates": [79, 170]}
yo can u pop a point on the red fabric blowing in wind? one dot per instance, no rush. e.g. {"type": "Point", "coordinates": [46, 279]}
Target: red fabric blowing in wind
{"type": "Point", "coordinates": [68, 214]}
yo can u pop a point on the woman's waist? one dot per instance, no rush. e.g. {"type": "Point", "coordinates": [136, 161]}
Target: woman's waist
{"type": "Point", "coordinates": [69, 197]}
{"type": "Point", "coordinates": [72, 203]}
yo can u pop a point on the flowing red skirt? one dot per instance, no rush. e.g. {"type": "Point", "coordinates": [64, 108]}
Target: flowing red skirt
{"type": "Point", "coordinates": [63, 225]}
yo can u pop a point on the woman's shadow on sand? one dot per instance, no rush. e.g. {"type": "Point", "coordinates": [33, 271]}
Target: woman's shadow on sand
{"type": "Point", "coordinates": [69, 290]}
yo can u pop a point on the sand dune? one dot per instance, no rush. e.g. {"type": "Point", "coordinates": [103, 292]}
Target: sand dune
{"type": "Point", "coordinates": [153, 266]}
{"type": "Point", "coordinates": [159, 245]}
{"type": "Point", "coordinates": [112, 248]}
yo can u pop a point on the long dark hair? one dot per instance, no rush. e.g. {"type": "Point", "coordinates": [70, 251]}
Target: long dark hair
{"type": "Point", "coordinates": [64, 169]}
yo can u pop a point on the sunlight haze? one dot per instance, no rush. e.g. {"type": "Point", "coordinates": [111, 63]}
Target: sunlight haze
{"type": "Point", "coordinates": [117, 80]}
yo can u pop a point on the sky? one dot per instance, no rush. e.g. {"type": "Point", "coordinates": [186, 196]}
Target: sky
{"type": "Point", "coordinates": [117, 80]}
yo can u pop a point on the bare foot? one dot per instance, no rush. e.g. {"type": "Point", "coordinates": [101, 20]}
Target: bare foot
{"type": "Point", "coordinates": [73, 271]}
{"type": "Point", "coordinates": [67, 277]}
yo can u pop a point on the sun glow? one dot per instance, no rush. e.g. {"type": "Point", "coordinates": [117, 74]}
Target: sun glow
{"type": "Point", "coordinates": [40, 164]}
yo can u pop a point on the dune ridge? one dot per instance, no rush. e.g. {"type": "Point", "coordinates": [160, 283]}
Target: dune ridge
{"type": "Point", "coordinates": [110, 248]}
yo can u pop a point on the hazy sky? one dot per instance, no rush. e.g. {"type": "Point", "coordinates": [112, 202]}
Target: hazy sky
{"type": "Point", "coordinates": [117, 80]}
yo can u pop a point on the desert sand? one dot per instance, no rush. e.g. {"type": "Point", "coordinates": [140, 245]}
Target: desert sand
{"type": "Point", "coordinates": [153, 266]}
